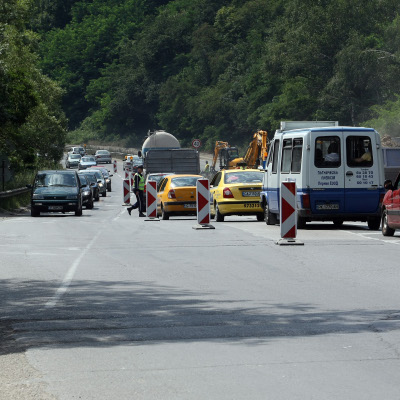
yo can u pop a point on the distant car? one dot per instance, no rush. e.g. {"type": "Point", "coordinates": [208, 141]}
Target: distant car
{"type": "Point", "coordinates": [73, 161]}
{"type": "Point", "coordinates": [77, 150]}
{"type": "Point", "coordinates": [236, 192]}
{"type": "Point", "coordinates": [87, 162]}
{"type": "Point", "coordinates": [107, 176]}
{"type": "Point", "coordinates": [91, 177]}
{"type": "Point", "coordinates": [87, 192]}
{"type": "Point", "coordinates": [176, 195]}
{"type": "Point", "coordinates": [101, 181]}
{"type": "Point", "coordinates": [391, 208]}
{"type": "Point", "coordinates": [56, 191]}
{"type": "Point", "coordinates": [103, 156]}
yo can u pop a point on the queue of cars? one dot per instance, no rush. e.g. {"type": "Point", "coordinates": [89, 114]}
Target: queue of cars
{"type": "Point", "coordinates": [70, 190]}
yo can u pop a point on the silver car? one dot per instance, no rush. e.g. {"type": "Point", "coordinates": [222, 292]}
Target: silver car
{"type": "Point", "coordinates": [73, 160]}
{"type": "Point", "coordinates": [87, 162]}
{"type": "Point", "coordinates": [103, 156]}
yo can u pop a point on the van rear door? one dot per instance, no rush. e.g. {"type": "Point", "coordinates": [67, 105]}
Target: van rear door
{"type": "Point", "coordinates": [326, 172]}
{"type": "Point", "coordinates": [362, 171]}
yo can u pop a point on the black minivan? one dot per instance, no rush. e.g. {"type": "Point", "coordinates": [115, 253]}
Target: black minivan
{"type": "Point", "coordinates": [56, 191]}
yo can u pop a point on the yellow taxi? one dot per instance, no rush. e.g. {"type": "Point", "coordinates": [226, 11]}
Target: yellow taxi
{"type": "Point", "coordinates": [236, 192]}
{"type": "Point", "coordinates": [176, 195]}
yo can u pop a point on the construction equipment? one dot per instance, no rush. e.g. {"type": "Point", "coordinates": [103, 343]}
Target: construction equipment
{"type": "Point", "coordinates": [257, 151]}
{"type": "Point", "coordinates": [229, 158]}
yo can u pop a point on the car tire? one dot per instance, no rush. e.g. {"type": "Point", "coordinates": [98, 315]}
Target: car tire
{"type": "Point", "coordinates": [90, 205]}
{"type": "Point", "coordinates": [338, 223]}
{"type": "Point", "coordinates": [386, 230]}
{"type": "Point", "coordinates": [260, 217]}
{"type": "Point", "coordinates": [218, 216]}
{"type": "Point", "coordinates": [374, 224]}
{"type": "Point", "coordinates": [104, 194]}
{"type": "Point", "coordinates": [78, 212]}
{"type": "Point", "coordinates": [164, 214]}
{"type": "Point", "coordinates": [301, 223]}
{"type": "Point", "coordinates": [269, 217]}
{"type": "Point", "coordinates": [35, 213]}
{"type": "Point", "coordinates": [97, 198]}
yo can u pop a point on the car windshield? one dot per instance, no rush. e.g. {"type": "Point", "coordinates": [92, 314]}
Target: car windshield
{"type": "Point", "coordinates": [75, 156]}
{"type": "Point", "coordinates": [184, 181]}
{"type": "Point", "coordinates": [98, 175]}
{"type": "Point", "coordinates": [91, 178]}
{"type": "Point", "coordinates": [55, 179]}
{"type": "Point", "coordinates": [88, 159]}
{"type": "Point", "coordinates": [243, 177]}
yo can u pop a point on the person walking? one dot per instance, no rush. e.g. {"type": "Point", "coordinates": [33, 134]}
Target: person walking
{"type": "Point", "coordinates": [138, 189]}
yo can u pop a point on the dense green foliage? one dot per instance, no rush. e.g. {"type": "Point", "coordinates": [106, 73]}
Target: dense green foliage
{"type": "Point", "coordinates": [215, 69]}
{"type": "Point", "coordinates": [32, 122]}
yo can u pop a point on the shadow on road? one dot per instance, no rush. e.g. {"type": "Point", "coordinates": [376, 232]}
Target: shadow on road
{"type": "Point", "coordinates": [103, 313]}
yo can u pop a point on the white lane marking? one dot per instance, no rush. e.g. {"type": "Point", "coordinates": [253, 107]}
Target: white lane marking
{"type": "Point", "coordinates": [27, 253]}
{"type": "Point", "coordinates": [70, 274]}
{"type": "Point", "coordinates": [371, 238]}
{"type": "Point", "coordinates": [119, 214]}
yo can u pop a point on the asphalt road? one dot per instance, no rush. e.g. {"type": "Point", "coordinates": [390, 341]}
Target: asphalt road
{"type": "Point", "coordinates": [107, 306]}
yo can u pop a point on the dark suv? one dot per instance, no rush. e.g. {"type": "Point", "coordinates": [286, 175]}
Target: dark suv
{"type": "Point", "coordinates": [56, 191]}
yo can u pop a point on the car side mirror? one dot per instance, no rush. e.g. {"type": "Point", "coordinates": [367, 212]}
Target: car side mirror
{"type": "Point", "coordinates": [111, 175]}
{"type": "Point", "coordinates": [29, 186]}
{"type": "Point", "coordinates": [388, 185]}
{"type": "Point", "coordinates": [139, 153]}
{"type": "Point", "coordinates": [99, 181]}
{"type": "Point", "coordinates": [82, 185]}
{"type": "Point", "coordinates": [92, 184]}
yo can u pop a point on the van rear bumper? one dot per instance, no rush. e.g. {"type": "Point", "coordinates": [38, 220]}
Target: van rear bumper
{"type": "Point", "coordinates": [309, 216]}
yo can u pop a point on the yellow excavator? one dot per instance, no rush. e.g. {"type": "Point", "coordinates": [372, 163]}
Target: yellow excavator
{"type": "Point", "coordinates": [229, 155]}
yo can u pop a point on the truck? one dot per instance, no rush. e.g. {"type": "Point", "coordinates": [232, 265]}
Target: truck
{"type": "Point", "coordinates": [162, 153]}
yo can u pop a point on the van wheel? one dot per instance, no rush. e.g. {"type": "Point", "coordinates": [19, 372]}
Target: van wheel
{"type": "Point", "coordinates": [269, 217]}
{"type": "Point", "coordinates": [374, 223]}
{"type": "Point", "coordinates": [301, 223]}
{"type": "Point", "coordinates": [218, 216]}
{"type": "Point", "coordinates": [260, 217]}
{"type": "Point", "coordinates": [338, 223]}
{"type": "Point", "coordinates": [386, 231]}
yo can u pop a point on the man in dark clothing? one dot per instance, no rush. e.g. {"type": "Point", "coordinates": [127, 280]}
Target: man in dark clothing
{"type": "Point", "coordinates": [138, 189]}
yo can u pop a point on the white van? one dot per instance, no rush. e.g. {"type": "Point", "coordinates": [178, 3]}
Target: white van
{"type": "Point", "coordinates": [339, 173]}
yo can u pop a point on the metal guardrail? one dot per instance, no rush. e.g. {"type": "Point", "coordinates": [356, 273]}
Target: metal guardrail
{"type": "Point", "coordinates": [14, 192]}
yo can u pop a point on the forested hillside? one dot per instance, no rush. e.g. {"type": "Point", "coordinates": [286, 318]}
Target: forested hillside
{"type": "Point", "coordinates": [220, 69]}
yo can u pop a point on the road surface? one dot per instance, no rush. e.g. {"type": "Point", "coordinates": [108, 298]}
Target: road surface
{"type": "Point", "coordinates": [107, 306]}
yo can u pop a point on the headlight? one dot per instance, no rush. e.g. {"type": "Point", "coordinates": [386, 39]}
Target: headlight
{"type": "Point", "coordinates": [72, 197]}
{"type": "Point", "coordinates": [100, 185]}
{"type": "Point", "coordinates": [86, 192]}
{"type": "Point", "coordinates": [108, 180]}
{"type": "Point", "coordinates": [38, 197]}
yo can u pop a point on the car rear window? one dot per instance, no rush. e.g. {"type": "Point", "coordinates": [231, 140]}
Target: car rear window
{"type": "Point", "coordinates": [75, 156]}
{"type": "Point", "coordinates": [103, 152]}
{"type": "Point", "coordinates": [87, 159]}
{"type": "Point", "coordinates": [184, 181]}
{"type": "Point", "coordinates": [243, 177]}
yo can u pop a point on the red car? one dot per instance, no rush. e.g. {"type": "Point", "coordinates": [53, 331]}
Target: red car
{"type": "Point", "coordinates": [391, 208]}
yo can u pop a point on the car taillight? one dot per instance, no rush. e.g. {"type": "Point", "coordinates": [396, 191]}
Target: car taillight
{"type": "Point", "coordinates": [306, 201]}
{"type": "Point", "coordinates": [171, 194]}
{"type": "Point", "coordinates": [227, 194]}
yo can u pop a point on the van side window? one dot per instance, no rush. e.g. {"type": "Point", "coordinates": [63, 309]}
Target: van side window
{"type": "Point", "coordinates": [270, 153]}
{"type": "Point", "coordinates": [275, 159]}
{"type": "Point", "coordinates": [359, 151]}
{"type": "Point", "coordinates": [297, 154]}
{"type": "Point", "coordinates": [327, 152]}
{"type": "Point", "coordinates": [286, 156]}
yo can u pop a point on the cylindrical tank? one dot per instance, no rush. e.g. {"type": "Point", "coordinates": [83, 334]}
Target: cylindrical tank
{"type": "Point", "coordinates": [160, 140]}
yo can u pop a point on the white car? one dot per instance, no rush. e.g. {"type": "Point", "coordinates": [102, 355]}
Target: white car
{"type": "Point", "coordinates": [73, 160]}
{"type": "Point", "coordinates": [103, 156]}
{"type": "Point", "coordinates": [87, 162]}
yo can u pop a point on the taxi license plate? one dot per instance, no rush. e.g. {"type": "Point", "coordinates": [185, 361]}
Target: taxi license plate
{"type": "Point", "coordinates": [334, 206]}
{"type": "Point", "coordinates": [251, 205]}
{"type": "Point", "coordinates": [189, 206]}
{"type": "Point", "coordinates": [251, 194]}
{"type": "Point", "coordinates": [55, 208]}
